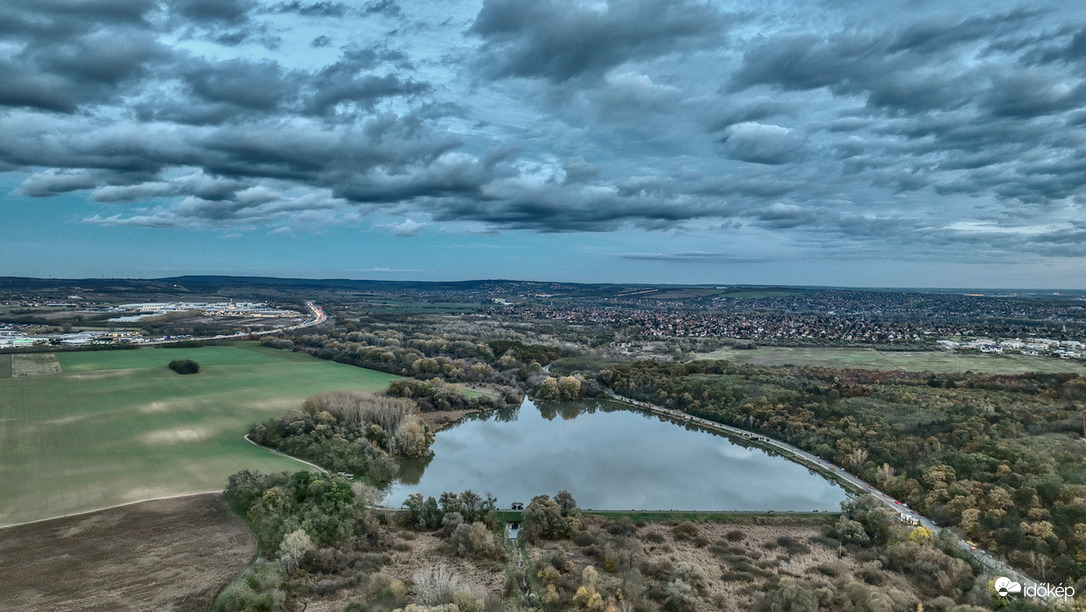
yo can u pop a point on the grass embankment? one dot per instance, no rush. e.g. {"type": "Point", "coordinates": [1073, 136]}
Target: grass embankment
{"type": "Point", "coordinates": [910, 361]}
{"type": "Point", "coordinates": [119, 426]}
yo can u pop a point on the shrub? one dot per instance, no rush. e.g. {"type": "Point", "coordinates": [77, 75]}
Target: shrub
{"type": "Point", "coordinates": [436, 585]}
{"type": "Point", "coordinates": [684, 531]}
{"type": "Point", "coordinates": [184, 366]}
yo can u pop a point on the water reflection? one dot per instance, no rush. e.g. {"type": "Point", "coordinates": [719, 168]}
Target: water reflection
{"type": "Point", "coordinates": [609, 457]}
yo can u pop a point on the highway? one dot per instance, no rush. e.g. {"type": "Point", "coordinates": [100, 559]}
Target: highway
{"type": "Point", "coordinates": [318, 318]}
{"type": "Point", "coordinates": [986, 559]}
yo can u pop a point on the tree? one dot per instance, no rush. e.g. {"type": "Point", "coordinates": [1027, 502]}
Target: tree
{"type": "Point", "coordinates": [921, 535]}
{"type": "Point", "coordinates": [474, 539]}
{"type": "Point", "coordinates": [542, 519]}
{"type": "Point", "coordinates": [413, 439]}
{"type": "Point", "coordinates": [565, 501]}
{"type": "Point", "coordinates": [548, 389]}
{"type": "Point", "coordinates": [569, 388]}
{"type": "Point", "coordinates": [295, 545]}
{"type": "Point", "coordinates": [422, 513]}
{"type": "Point", "coordinates": [184, 366]}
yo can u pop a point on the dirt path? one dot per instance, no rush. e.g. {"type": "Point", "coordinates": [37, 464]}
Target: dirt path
{"type": "Point", "coordinates": [171, 554]}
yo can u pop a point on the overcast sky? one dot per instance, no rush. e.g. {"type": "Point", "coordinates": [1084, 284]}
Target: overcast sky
{"type": "Point", "coordinates": [843, 142]}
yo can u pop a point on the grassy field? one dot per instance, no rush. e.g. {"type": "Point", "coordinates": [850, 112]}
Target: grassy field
{"type": "Point", "coordinates": [913, 361]}
{"type": "Point", "coordinates": [119, 426]}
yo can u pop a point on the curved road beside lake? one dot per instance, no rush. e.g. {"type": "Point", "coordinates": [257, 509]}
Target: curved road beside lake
{"type": "Point", "coordinates": [839, 474]}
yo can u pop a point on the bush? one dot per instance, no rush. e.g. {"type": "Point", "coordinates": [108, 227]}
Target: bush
{"type": "Point", "coordinates": [184, 366]}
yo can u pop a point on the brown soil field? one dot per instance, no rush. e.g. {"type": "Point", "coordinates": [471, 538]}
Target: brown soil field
{"type": "Point", "coordinates": [171, 554]}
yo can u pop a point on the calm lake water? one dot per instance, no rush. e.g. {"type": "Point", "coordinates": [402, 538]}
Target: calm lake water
{"type": "Point", "coordinates": [609, 458]}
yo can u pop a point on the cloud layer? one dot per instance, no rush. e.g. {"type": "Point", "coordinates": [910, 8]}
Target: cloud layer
{"type": "Point", "coordinates": [833, 128]}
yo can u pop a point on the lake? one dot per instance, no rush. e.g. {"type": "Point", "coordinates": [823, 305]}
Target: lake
{"type": "Point", "coordinates": [610, 458]}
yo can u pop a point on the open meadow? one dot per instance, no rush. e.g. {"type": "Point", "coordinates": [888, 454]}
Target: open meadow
{"type": "Point", "coordinates": [116, 427]}
{"type": "Point", "coordinates": [910, 361]}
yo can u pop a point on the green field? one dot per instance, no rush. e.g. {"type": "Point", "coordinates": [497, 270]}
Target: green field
{"type": "Point", "coordinates": [912, 361]}
{"type": "Point", "coordinates": [119, 426]}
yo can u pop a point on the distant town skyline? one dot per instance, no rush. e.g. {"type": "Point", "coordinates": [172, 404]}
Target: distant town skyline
{"type": "Point", "coordinates": [834, 143]}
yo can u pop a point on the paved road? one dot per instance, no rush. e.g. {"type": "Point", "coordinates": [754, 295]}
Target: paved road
{"type": "Point", "coordinates": [993, 565]}
{"type": "Point", "coordinates": [318, 318]}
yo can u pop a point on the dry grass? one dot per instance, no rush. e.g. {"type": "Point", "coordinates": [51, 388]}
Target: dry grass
{"type": "Point", "coordinates": [440, 420]}
{"type": "Point", "coordinates": [34, 364]}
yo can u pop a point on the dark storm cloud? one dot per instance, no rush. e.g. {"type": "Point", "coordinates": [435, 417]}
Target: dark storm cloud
{"type": "Point", "coordinates": [252, 207]}
{"type": "Point", "coordinates": [938, 119]}
{"type": "Point", "coordinates": [559, 40]}
{"type": "Point", "coordinates": [199, 185]}
{"type": "Point", "coordinates": [852, 64]}
{"type": "Point", "coordinates": [779, 215]}
{"type": "Point", "coordinates": [247, 90]}
{"type": "Point", "coordinates": [55, 182]}
{"type": "Point", "coordinates": [435, 181]}
{"type": "Point", "coordinates": [257, 85]}
{"type": "Point", "coordinates": [52, 19]}
{"type": "Point", "coordinates": [1031, 95]}
{"type": "Point", "coordinates": [578, 170]}
{"type": "Point", "coordinates": [312, 9]}
{"type": "Point", "coordinates": [66, 55]}
{"type": "Point", "coordinates": [1066, 45]}
{"type": "Point", "coordinates": [763, 144]}
{"type": "Point", "coordinates": [695, 257]}
{"type": "Point", "coordinates": [384, 7]}
{"type": "Point", "coordinates": [24, 88]}
{"type": "Point", "coordinates": [360, 91]}
{"type": "Point", "coordinates": [218, 12]}
{"type": "Point", "coordinates": [556, 208]}
{"type": "Point", "coordinates": [390, 159]}
{"type": "Point", "coordinates": [226, 22]}
{"type": "Point", "coordinates": [935, 36]}
{"type": "Point", "coordinates": [386, 143]}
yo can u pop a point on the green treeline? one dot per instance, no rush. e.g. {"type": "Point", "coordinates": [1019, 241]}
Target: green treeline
{"type": "Point", "coordinates": [277, 504]}
{"type": "Point", "coordinates": [350, 432]}
{"type": "Point", "coordinates": [450, 357]}
{"type": "Point", "coordinates": [1001, 457]}
{"type": "Point", "coordinates": [436, 394]}
{"type": "Point", "coordinates": [307, 525]}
